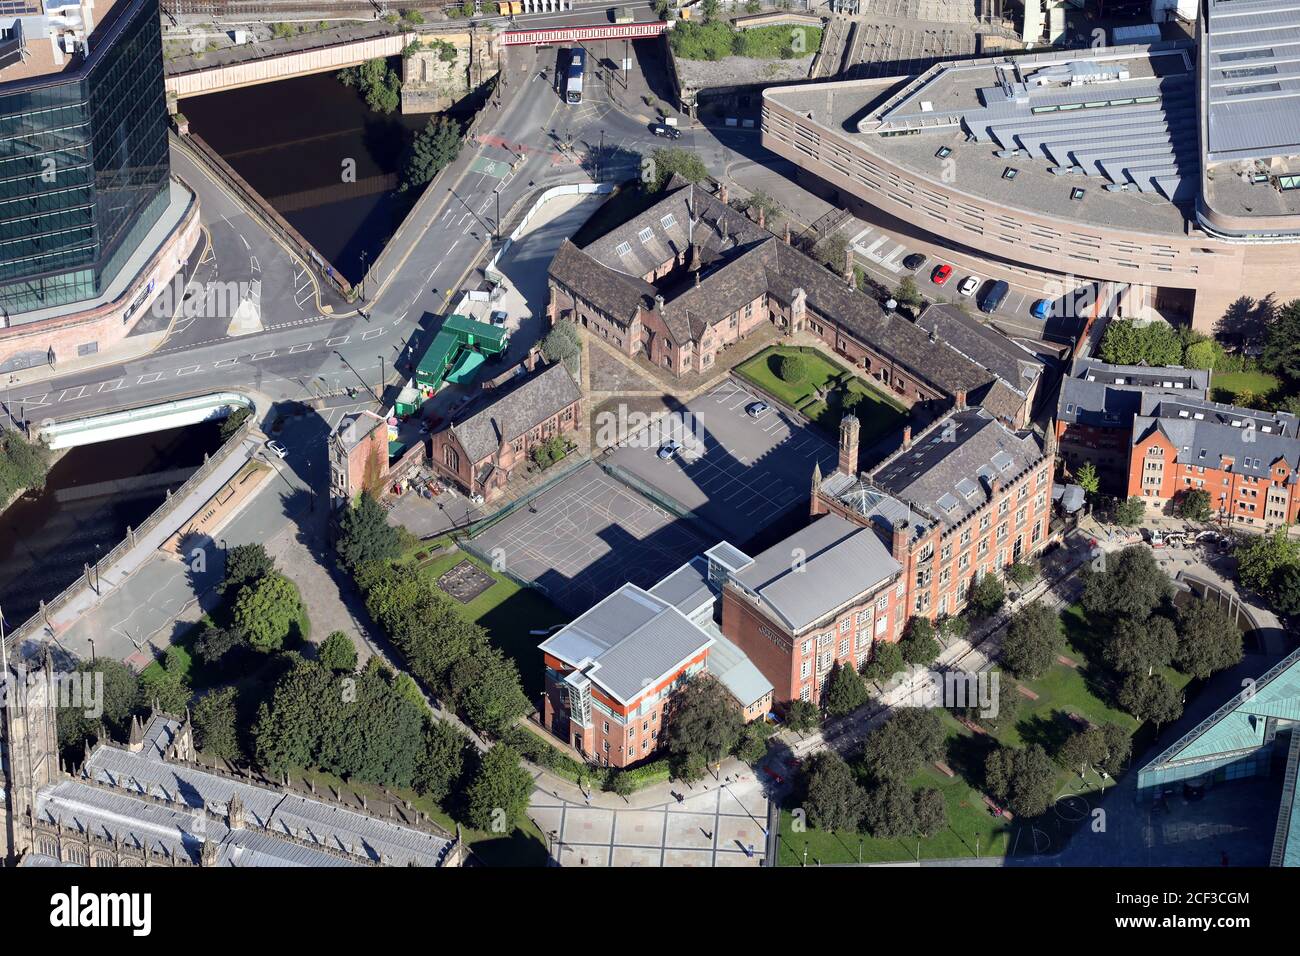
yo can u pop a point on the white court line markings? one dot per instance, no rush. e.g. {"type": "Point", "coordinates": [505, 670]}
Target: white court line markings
{"type": "Point", "coordinates": [337, 340]}
{"type": "Point", "coordinates": [257, 357]}
{"type": "Point", "coordinates": [148, 377]}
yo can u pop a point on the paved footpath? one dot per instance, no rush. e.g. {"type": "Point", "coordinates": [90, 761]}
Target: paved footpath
{"type": "Point", "coordinates": [716, 823]}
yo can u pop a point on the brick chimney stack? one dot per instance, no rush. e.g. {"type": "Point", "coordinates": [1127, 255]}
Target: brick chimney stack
{"type": "Point", "coordinates": [960, 402]}
{"type": "Point", "coordinates": [849, 430]}
{"type": "Point", "coordinates": [762, 218]}
{"type": "Point", "coordinates": [898, 545]}
{"type": "Point", "coordinates": [907, 436]}
{"type": "Point", "coordinates": [722, 193]}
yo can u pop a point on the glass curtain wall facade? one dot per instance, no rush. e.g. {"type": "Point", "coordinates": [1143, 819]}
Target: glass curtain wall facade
{"type": "Point", "coordinates": [84, 166]}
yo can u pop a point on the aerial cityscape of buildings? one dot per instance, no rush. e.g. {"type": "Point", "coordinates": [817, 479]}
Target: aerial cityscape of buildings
{"type": "Point", "coordinates": [686, 434]}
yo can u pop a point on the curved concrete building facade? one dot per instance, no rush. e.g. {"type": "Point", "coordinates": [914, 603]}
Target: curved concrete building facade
{"type": "Point", "coordinates": [1084, 163]}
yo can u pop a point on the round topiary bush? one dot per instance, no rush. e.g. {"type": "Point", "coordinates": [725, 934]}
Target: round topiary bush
{"type": "Point", "coordinates": [793, 368]}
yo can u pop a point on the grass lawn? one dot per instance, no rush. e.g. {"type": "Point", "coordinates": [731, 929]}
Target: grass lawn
{"type": "Point", "coordinates": [879, 414]}
{"type": "Point", "coordinates": [1226, 386]}
{"type": "Point", "coordinates": [1062, 691]}
{"type": "Point", "coordinates": [969, 824]}
{"type": "Point", "coordinates": [506, 611]}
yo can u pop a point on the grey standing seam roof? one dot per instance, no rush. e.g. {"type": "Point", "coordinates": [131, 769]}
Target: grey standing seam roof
{"type": "Point", "coordinates": [630, 638]}
{"type": "Point", "coordinates": [840, 561]}
{"type": "Point", "coordinates": [1254, 79]}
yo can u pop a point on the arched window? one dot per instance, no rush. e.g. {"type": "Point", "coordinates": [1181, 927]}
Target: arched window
{"type": "Point", "coordinates": [452, 459]}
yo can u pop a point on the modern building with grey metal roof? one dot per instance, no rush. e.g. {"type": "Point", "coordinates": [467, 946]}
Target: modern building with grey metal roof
{"type": "Point", "coordinates": [628, 641]}
{"type": "Point", "coordinates": [816, 571]}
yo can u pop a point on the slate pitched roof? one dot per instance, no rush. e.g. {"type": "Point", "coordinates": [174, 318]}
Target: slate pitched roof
{"type": "Point", "coordinates": [949, 469]}
{"type": "Point", "coordinates": [502, 418]}
{"type": "Point", "coordinates": [741, 260]}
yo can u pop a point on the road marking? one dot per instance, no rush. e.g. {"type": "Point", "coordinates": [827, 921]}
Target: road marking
{"type": "Point", "coordinates": [369, 334]}
{"type": "Point", "coordinates": [188, 370]}
{"type": "Point", "coordinates": [257, 266]}
{"type": "Point", "coordinates": [67, 393]}
{"type": "Point", "coordinates": [262, 355]}
{"type": "Point", "coordinates": [148, 377]}
{"type": "Point", "coordinates": [116, 384]}
{"type": "Point", "coordinates": [225, 363]}
{"type": "Point", "coordinates": [337, 340]}
{"type": "Point", "coordinates": [244, 241]}
{"type": "Point", "coordinates": [301, 347]}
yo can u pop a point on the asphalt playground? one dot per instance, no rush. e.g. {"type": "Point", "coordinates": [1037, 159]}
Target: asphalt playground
{"type": "Point", "coordinates": [737, 473]}
{"type": "Point", "coordinates": [586, 536]}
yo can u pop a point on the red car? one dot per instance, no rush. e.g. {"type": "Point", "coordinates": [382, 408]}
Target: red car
{"type": "Point", "coordinates": [941, 274]}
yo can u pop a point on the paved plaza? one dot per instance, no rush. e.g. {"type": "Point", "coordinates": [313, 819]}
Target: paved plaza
{"type": "Point", "coordinates": [718, 826]}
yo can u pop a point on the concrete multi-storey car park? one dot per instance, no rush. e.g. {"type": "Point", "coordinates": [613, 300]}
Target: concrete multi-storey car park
{"type": "Point", "coordinates": [1120, 164]}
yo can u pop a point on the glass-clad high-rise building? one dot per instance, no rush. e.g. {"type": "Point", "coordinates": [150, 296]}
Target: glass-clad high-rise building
{"type": "Point", "coordinates": [83, 147]}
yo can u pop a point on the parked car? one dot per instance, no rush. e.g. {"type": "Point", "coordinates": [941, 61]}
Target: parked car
{"type": "Point", "coordinates": [754, 409]}
{"type": "Point", "coordinates": [914, 261]}
{"type": "Point", "coordinates": [941, 274]}
{"type": "Point", "coordinates": [1041, 309]}
{"type": "Point", "coordinates": [277, 449]}
{"type": "Point", "coordinates": [968, 285]}
{"type": "Point", "coordinates": [993, 296]}
{"type": "Point", "coordinates": [669, 448]}
{"type": "Point", "coordinates": [667, 132]}
{"type": "Point", "coordinates": [499, 318]}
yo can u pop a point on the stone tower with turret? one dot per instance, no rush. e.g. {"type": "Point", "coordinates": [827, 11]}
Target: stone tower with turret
{"type": "Point", "coordinates": [29, 750]}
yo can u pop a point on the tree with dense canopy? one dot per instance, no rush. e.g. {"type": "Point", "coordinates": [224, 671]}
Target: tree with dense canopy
{"type": "Point", "coordinates": [270, 612]}
{"type": "Point", "coordinates": [216, 724]}
{"type": "Point", "coordinates": [432, 150]}
{"type": "Point", "coordinates": [365, 535]}
{"type": "Point", "coordinates": [1131, 585]}
{"type": "Point", "coordinates": [1022, 778]}
{"type": "Point", "coordinates": [919, 645]}
{"type": "Point", "coordinates": [1032, 641]}
{"type": "Point", "coordinates": [844, 691]}
{"type": "Point", "coordinates": [704, 724]}
{"type": "Point", "coordinates": [498, 796]}
{"type": "Point", "coordinates": [338, 653]}
{"type": "Point", "coordinates": [1140, 646]}
{"type": "Point", "coordinates": [1208, 639]}
{"type": "Point", "coordinates": [1150, 698]}
{"type": "Point", "coordinates": [987, 596]}
{"type": "Point", "coordinates": [1130, 511]}
{"type": "Point", "coordinates": [245, 563]}
{"type": "Point", "coordinates": [801, 716]}
{"type": "Point", "coordinates": [833, 799]}
{"type": "Point", "coordinates": [889, 811]}
{"type": "Point", "coordinates": [886, 661]}
{"type": "Point", "coordinates": [896, 749]}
